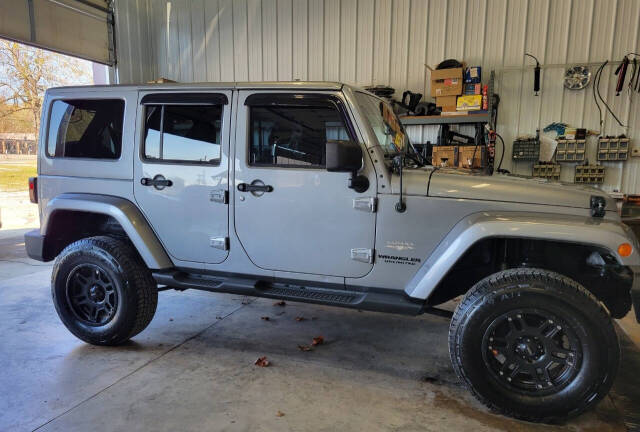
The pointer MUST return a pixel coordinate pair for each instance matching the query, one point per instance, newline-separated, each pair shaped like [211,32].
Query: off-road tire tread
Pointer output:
[523,275]
[138,278]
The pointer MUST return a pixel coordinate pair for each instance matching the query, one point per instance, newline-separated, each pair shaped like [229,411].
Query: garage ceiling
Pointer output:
[81,28]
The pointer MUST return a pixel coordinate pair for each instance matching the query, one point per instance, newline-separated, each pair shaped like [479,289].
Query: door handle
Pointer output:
[244,187]
[159,182]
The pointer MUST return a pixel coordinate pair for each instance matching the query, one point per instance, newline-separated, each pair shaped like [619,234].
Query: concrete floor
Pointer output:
[193,368]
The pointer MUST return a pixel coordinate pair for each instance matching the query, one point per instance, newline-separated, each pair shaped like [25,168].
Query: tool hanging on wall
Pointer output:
[598,96]
[621,71]
[634,82]
[536,74]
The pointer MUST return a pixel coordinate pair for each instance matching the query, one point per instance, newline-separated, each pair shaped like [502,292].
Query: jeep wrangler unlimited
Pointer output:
[306,192]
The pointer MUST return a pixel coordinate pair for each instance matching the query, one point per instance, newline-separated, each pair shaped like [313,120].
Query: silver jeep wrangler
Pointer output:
[311,192]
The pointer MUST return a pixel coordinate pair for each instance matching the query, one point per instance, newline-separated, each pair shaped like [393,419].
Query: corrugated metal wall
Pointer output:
[388,42]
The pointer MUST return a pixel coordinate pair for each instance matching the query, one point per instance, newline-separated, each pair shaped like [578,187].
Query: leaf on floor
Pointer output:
[279,414]
[318,340]
[262,362]
[305,348]
[299,318]
[280,303]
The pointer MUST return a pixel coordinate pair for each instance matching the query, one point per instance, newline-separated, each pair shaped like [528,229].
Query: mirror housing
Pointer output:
[346,156]
[343,156]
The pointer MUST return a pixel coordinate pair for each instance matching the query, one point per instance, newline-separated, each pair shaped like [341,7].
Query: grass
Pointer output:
[15,177]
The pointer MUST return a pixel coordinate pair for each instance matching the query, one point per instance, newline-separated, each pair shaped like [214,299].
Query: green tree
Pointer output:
[25,74]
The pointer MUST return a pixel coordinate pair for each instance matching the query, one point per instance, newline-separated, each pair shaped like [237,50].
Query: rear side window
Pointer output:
[294,135]
[82,128]
[183,133]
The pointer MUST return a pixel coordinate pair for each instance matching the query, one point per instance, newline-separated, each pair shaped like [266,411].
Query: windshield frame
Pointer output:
[384,139]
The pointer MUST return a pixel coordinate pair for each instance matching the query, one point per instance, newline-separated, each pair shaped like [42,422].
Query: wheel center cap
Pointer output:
[96,293]
[528,348]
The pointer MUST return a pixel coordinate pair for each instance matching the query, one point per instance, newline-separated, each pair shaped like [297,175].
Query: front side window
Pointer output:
[86,128]
[183,133]
[293,135]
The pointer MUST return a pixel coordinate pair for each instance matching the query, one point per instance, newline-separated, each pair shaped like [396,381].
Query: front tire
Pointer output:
[103,292]
[534,345]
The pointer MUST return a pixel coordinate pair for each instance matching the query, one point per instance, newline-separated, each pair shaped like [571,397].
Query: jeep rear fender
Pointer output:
[124,211]
[600,233]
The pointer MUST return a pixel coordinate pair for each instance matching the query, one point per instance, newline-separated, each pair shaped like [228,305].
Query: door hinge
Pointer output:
[362,255]
[221,243]
[219,196]
[368,204]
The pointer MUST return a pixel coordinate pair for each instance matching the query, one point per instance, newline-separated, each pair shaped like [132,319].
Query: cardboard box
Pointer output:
[446,82]
[444,156]
[469,103]
[466,154]
[447,103]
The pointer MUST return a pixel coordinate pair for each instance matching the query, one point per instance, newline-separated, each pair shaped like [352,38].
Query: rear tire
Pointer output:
[534,345]
[103,292]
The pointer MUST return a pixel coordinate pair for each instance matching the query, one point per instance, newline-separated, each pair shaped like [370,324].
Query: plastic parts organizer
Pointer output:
[613,149]
[589,174]
[548,171]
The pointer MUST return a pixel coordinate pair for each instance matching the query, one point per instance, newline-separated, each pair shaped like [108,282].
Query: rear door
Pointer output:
[181,175]
[305,219]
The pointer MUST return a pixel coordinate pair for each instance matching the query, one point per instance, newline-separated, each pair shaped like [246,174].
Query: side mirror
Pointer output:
[346,156]
[343,156]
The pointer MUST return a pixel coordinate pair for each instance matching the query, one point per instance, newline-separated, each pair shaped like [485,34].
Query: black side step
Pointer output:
[393,301]
[311,294]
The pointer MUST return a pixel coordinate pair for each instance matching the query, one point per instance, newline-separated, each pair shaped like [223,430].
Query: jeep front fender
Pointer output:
[123,211]
[478,226]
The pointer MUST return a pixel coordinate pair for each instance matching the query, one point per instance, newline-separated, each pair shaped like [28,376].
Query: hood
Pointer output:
[452,183]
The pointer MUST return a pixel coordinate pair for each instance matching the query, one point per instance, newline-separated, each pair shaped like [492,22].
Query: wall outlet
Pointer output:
[635,152]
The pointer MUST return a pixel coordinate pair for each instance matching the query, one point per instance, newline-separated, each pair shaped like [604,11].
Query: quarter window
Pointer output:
[86,128]
[293,135]
[183,133]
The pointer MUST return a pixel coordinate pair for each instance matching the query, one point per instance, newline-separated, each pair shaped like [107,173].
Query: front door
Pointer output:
[182,172]
[291,214]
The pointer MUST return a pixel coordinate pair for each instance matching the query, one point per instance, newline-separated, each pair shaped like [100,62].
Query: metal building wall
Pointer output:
[388,42]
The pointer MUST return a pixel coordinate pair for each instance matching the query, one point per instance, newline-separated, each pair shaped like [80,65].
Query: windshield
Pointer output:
[385,124]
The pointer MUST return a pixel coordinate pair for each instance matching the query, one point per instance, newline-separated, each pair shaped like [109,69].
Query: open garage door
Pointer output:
[81,28]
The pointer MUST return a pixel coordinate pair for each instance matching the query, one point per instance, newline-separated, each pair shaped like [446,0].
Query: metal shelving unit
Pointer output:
[437,120]
[484,117]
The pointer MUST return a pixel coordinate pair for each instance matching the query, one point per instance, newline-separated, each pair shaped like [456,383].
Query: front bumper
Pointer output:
[35,244]
[635,291]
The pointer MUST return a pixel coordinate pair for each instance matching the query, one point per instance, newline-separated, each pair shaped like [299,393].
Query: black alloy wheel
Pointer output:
[91,294]
[532,351]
